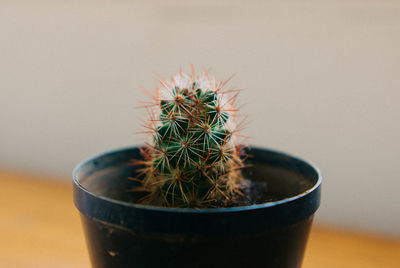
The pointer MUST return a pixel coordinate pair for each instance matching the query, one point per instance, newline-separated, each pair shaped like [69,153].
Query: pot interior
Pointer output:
[274,176]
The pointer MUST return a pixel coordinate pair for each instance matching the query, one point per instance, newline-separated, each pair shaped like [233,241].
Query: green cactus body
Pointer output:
[192,159]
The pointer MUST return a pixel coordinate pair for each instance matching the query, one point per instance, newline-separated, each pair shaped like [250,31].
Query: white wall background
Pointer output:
[322,81]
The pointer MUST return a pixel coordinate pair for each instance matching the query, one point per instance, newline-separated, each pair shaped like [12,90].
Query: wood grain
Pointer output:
[40,227]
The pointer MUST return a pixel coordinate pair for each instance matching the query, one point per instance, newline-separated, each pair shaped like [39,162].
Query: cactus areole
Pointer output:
[192,158]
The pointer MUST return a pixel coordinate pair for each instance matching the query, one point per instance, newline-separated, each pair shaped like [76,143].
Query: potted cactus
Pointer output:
[193,195]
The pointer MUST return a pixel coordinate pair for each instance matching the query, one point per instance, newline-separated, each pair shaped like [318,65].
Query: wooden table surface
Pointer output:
[40,227]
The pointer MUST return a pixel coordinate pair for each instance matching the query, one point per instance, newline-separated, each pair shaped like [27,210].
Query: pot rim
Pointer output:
[197,210]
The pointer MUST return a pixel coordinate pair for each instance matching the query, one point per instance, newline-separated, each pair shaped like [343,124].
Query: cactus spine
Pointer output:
[193,159]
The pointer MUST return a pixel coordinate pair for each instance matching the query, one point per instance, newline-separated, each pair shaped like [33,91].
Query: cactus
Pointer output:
[193,158]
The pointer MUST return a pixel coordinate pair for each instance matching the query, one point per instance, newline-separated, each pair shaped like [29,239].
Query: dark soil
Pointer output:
[254,192]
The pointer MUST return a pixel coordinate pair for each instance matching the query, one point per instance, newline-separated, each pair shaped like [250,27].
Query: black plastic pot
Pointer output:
[120,233]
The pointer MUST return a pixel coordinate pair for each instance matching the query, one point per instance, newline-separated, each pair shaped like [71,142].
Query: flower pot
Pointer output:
[120,233]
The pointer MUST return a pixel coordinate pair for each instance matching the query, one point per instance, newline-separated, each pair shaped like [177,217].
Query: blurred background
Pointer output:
[321,81]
